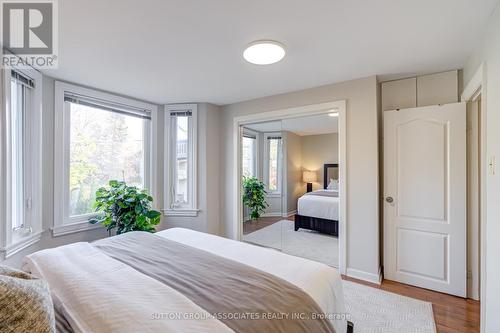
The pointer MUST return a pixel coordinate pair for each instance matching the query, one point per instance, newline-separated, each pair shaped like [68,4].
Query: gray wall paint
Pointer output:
[362,161]
[215,162]
[293,185]
[309,152]
[318,150]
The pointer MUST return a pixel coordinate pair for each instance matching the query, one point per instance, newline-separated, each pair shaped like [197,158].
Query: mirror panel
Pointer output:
[262,171]
[292,166]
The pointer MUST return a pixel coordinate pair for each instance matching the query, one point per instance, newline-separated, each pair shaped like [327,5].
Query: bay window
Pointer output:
[180,162]
[104,137]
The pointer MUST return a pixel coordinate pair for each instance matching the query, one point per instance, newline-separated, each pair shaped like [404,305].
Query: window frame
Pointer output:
[63,222]
[13,241]
[256,151]
[169,166]
[267,165]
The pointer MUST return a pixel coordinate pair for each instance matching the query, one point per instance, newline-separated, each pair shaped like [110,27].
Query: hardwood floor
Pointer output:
[251,226]
[452,314]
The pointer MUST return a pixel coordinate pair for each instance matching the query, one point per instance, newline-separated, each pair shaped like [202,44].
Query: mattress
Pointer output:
[319,205]
[89,267]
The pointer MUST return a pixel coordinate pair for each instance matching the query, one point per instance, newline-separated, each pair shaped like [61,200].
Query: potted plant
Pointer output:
[254,196]
[125,208]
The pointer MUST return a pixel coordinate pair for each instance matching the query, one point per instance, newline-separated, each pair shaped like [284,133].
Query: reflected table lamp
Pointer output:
[309,177]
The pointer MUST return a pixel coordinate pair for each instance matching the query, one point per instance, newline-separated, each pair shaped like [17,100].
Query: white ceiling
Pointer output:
[168,51]
[312,125]
[270,126]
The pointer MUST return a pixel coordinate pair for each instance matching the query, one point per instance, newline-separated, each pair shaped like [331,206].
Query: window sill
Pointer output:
[20,244]
[181,212]
[67,229]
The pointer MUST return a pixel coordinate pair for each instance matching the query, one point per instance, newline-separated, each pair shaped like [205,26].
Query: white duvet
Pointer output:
[323,207]
[100,294]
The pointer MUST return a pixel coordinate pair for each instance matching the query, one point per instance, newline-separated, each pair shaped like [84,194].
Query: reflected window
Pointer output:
[249,155]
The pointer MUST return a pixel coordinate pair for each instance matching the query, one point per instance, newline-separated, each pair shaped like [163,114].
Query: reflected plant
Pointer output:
[125,208]
[254,196]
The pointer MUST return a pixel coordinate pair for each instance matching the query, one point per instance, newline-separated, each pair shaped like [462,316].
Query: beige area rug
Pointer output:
[373,310]
[302,243]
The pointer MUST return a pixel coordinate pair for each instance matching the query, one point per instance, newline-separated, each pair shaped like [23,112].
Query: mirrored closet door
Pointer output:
[290,182]
[310,188]
[262,183]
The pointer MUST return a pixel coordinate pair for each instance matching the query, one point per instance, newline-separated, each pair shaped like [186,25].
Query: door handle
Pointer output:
[389,199]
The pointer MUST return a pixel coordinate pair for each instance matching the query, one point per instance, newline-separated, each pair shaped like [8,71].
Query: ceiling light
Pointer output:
[333,114]
[264,52]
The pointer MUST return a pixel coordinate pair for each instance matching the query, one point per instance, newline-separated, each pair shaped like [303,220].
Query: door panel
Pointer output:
[425,192]
[414,249]
[419,162]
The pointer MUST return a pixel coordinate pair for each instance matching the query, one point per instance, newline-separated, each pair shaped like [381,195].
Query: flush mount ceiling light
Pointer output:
[264,52]
[333,114]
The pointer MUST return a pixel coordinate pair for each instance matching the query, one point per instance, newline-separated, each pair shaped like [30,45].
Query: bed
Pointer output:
[180,280]
[319,210]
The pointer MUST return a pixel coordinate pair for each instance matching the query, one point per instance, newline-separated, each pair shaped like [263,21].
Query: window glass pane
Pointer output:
[182,161]
[248,155]
[17,167]
[273,164]
[104,145]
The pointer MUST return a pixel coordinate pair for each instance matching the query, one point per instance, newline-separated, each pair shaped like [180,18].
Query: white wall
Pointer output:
[362,162]
[489,53]
[318,150]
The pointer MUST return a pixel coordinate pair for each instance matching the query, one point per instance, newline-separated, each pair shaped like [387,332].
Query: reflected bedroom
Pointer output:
[290,186]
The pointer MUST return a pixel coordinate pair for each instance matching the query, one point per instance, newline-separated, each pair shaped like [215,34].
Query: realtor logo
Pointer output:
[29,33]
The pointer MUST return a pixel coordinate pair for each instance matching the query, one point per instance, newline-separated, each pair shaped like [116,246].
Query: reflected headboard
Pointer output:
[331,171]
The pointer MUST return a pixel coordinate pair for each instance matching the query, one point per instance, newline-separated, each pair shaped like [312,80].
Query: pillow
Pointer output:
[333,185]
[25,303]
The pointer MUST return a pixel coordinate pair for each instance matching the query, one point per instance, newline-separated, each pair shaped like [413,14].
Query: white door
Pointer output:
[425,197]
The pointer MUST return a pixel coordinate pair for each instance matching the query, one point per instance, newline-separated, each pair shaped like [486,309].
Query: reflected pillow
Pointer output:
[333,185]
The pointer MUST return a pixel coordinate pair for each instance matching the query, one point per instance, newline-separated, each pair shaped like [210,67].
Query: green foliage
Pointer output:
[103,146]
[254,196]
[125,207]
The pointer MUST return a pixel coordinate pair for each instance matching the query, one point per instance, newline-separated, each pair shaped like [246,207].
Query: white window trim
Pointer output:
[168,170]
[63,224]
[265,172]
[256,150]
[12,242]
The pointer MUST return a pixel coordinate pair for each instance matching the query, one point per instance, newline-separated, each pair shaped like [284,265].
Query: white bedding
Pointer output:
[100,294]
[90,285]
[324,207]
